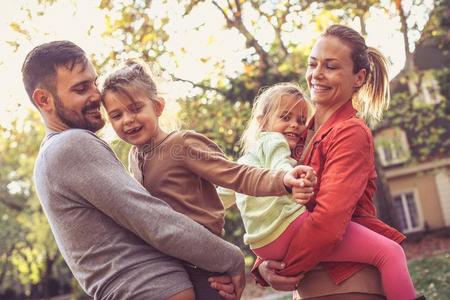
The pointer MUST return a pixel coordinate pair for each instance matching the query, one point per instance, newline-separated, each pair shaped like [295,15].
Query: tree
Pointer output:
[29,253]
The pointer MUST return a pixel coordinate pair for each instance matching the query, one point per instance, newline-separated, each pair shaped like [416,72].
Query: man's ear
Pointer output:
[42,99]
[159,106]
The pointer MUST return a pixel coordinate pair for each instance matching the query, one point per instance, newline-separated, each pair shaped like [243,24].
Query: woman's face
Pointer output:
[329,75]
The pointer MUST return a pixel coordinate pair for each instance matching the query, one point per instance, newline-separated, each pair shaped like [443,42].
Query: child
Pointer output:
[278,120]
[180,167]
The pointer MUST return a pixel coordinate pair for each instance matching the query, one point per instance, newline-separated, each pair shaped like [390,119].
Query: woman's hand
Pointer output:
[268,269]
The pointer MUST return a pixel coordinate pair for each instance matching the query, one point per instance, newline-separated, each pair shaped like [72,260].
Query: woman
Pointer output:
[343,74]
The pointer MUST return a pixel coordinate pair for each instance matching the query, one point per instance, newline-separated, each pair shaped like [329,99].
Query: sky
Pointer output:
[68,19]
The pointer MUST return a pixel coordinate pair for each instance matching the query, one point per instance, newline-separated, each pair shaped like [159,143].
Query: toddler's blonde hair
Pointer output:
[265,106]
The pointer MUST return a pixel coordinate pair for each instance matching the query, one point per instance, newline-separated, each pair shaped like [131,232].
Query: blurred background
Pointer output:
[212,57]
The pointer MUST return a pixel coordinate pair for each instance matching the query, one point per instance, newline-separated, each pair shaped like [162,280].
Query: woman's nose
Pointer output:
[317,72]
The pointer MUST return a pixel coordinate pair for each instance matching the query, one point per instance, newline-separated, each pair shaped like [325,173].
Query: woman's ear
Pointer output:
[360,79]
[159,106]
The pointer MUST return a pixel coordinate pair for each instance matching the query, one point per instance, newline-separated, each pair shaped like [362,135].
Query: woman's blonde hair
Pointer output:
[373,96]
[265,106]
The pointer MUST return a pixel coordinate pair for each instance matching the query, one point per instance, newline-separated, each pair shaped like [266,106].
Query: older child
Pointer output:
[275,129]
[181,167]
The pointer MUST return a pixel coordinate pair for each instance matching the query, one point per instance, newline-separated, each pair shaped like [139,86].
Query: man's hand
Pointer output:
[293,177]
[228,287]
[268,272]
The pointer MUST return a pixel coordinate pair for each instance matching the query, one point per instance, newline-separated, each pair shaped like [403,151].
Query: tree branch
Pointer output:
[202,86]
[236,22]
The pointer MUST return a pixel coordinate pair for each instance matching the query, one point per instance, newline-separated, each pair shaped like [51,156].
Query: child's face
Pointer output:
[134,120]
[289,119]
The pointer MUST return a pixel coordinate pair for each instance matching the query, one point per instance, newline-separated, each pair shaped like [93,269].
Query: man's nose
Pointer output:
[95,95]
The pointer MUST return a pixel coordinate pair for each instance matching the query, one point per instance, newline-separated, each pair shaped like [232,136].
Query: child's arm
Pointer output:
[204,158]
[275,154]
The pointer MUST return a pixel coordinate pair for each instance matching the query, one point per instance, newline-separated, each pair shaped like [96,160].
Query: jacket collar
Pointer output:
[345,112]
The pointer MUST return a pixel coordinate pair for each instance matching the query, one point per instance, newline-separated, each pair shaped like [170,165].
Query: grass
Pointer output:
[431,276]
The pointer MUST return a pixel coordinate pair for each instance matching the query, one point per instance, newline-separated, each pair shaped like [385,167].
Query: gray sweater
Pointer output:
[111,232]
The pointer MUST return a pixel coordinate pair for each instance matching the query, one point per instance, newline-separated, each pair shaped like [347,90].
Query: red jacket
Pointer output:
[342,154]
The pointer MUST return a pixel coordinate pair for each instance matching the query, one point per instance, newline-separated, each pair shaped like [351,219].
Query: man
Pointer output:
[119,241]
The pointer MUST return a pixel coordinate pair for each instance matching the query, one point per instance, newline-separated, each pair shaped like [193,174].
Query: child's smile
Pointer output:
[289,119]
[135,120]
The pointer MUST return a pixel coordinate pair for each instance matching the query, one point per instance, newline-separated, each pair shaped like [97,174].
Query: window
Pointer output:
[430,89]
[405,206]
[392,146]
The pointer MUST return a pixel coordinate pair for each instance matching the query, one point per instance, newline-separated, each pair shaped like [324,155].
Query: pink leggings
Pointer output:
[359,244]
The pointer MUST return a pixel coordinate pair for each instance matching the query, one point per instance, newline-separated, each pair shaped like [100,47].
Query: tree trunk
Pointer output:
[46,293]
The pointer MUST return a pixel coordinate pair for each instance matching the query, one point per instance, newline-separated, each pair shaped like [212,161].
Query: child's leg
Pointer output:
[361,244]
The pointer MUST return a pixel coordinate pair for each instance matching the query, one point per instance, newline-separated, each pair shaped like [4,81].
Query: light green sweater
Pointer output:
[266,218]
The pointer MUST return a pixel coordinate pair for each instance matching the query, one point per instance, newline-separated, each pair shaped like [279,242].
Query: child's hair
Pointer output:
[265,106]
[373,97]
[133,75]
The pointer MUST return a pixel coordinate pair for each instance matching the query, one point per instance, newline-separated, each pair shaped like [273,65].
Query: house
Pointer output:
[413,140]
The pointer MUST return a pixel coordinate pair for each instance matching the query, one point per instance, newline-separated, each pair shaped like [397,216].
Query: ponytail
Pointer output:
[373,97]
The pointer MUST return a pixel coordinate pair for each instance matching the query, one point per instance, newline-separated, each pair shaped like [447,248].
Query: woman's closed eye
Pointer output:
[332,67]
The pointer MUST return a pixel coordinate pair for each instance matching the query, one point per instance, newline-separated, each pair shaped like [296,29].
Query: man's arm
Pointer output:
[88,169]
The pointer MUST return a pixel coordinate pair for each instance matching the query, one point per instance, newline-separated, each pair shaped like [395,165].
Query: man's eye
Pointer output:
[80,89]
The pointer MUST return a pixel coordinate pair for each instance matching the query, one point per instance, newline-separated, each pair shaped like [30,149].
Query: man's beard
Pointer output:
[78,120]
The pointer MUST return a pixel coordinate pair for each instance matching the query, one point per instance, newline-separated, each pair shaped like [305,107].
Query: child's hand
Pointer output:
[293,178]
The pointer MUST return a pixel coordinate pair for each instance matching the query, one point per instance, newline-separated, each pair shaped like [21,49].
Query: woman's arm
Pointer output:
[346,171]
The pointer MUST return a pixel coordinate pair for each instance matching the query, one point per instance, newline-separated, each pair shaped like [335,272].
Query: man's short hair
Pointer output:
[39,67]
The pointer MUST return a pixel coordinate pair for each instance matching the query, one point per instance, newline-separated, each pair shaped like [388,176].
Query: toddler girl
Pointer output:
[275,130]
[180,167]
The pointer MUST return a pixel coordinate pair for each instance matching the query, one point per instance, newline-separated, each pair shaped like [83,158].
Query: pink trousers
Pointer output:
[359,244]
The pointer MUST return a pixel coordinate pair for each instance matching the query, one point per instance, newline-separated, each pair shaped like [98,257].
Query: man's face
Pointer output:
[77,99]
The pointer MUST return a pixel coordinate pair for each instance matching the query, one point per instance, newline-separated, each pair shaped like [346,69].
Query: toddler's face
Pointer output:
[135,120]
[289,119]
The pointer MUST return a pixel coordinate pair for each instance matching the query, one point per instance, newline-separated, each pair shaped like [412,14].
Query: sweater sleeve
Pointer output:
[204,158]
[275,153]
[86,168]
[343,181]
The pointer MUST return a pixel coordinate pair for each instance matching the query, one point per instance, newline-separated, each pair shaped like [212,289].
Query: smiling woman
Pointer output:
[341,224]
